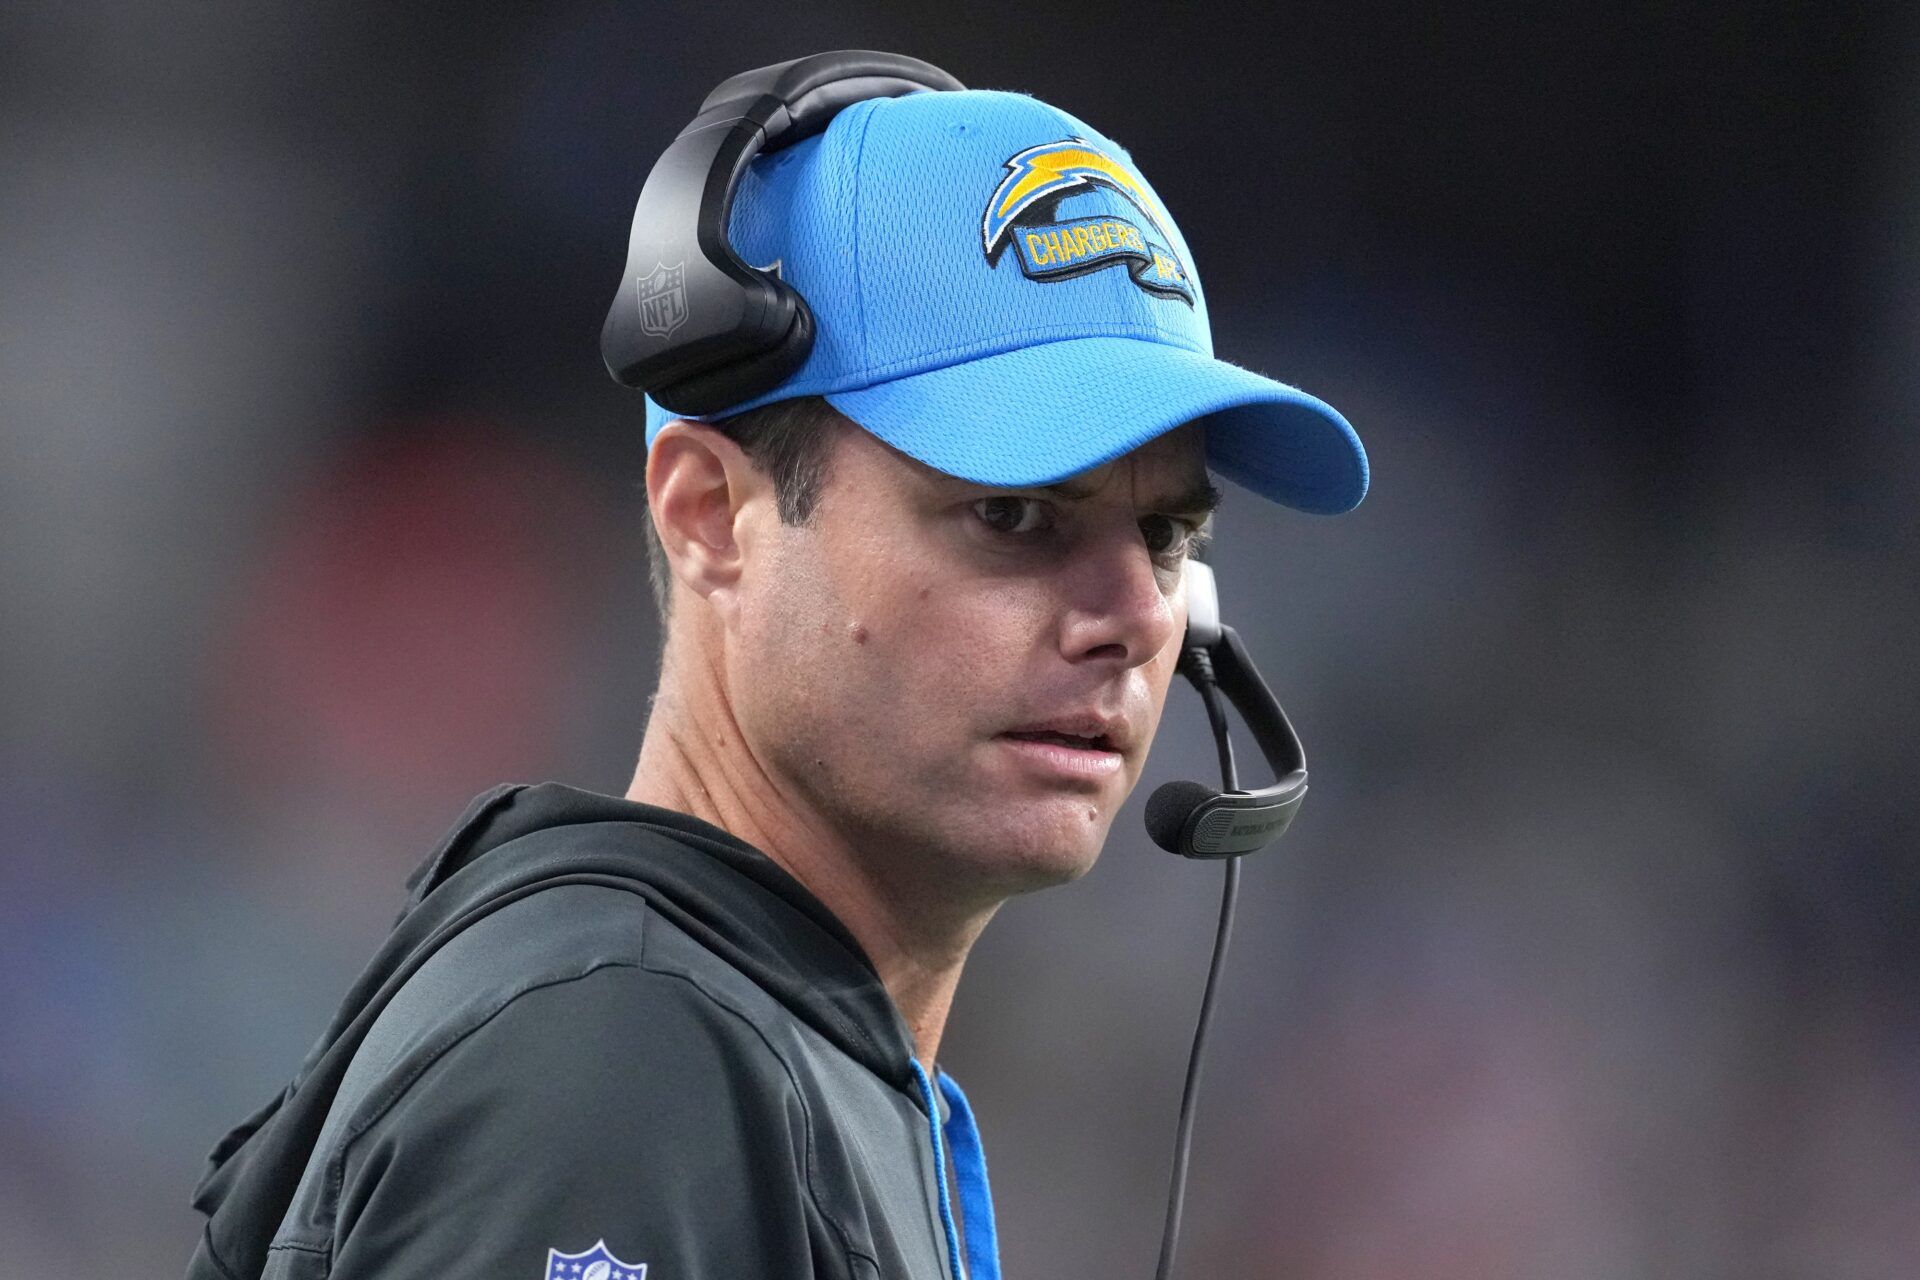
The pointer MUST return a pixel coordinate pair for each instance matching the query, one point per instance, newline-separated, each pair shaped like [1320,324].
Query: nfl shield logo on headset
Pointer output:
[597,1263]
[663,299]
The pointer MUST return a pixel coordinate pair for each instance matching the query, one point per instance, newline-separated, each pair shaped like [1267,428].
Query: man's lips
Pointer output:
[1063,757]
[1070,741]
[1078,731]
[1083,747]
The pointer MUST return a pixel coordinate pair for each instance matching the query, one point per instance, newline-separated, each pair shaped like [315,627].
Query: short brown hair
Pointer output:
[789,441]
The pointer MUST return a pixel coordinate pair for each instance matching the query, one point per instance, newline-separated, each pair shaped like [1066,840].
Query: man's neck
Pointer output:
[697,763]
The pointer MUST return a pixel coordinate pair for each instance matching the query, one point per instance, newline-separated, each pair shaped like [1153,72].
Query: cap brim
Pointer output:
[1039,414]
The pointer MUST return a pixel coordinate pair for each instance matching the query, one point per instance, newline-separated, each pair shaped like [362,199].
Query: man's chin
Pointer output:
[1056,845]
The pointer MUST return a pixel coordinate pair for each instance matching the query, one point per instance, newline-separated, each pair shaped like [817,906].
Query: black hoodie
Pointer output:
[604,1041]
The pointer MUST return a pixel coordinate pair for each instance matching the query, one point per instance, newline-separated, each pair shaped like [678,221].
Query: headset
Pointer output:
[745,330]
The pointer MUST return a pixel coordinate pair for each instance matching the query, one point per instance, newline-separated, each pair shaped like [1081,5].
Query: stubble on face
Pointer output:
[884,646]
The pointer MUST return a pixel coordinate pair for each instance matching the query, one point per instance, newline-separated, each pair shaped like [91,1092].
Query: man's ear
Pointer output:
[698,483]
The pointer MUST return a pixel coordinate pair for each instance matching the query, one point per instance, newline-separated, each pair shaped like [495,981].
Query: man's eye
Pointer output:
[1170,538]
[1013,515]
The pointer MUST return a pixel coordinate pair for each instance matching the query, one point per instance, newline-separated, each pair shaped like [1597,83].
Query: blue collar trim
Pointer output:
[970,1171]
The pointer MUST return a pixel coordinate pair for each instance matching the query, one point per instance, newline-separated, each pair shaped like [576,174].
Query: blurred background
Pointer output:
[1596,954]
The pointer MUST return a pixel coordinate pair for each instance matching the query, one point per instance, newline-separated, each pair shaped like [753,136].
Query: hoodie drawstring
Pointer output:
[970,1170]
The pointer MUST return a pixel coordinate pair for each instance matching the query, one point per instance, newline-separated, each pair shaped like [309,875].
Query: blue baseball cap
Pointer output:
[998,293]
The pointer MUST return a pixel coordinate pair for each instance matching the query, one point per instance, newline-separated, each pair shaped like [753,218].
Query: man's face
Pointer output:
[885,652]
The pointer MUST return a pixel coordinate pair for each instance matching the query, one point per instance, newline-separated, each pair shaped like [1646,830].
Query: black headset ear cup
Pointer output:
[748,377]
[714,331]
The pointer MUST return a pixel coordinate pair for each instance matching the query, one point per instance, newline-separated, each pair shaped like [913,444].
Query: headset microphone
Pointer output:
[1198,821]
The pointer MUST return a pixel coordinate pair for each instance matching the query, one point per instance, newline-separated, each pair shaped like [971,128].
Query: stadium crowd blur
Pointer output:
[1595,953]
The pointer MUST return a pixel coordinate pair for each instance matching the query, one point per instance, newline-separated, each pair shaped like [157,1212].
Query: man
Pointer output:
[922,603]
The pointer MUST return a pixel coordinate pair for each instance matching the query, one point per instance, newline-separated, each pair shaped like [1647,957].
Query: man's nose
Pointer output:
[1121,607]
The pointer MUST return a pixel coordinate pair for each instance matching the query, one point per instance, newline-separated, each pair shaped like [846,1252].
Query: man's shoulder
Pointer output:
[580,964]
[537,1037]
[592,1032]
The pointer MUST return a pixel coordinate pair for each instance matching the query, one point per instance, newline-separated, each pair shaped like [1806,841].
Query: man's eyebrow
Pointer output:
[1201,498]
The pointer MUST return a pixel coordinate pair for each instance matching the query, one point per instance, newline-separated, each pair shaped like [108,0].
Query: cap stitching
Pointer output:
[859,271]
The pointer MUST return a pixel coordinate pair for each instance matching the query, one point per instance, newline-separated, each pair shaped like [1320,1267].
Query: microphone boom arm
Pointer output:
[1198,821]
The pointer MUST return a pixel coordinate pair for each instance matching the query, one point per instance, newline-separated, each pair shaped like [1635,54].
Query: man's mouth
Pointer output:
[1097,743]
[1084,746]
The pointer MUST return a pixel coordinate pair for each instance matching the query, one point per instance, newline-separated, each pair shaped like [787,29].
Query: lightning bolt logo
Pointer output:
[1053,167]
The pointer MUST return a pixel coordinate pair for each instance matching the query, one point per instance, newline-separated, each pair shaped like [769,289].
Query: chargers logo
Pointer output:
[1038,178]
